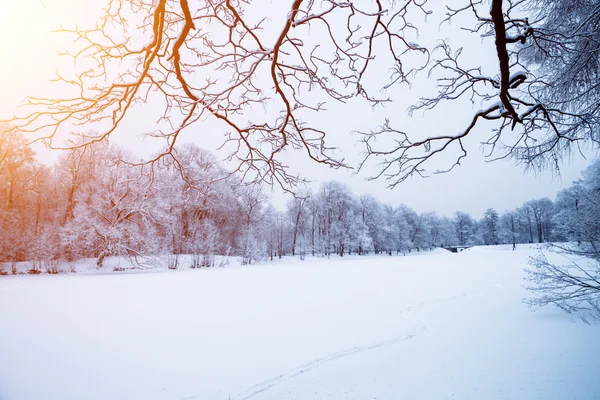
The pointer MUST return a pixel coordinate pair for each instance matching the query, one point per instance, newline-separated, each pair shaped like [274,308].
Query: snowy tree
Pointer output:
[508,228]
[490,227]
[545,89]
[540,212]
[401,229]
[574,284]
[17,167]
[373,216]
[270,220]
[252,202]
[228,78]
[203,205]
[435,229]
[92,204]
[577,215]
[341,225]
[448,232]
[75,170]
[418,235]
[44,249]
[297,210]
[542,103]
[15,157]
[563,54]
[113,214]
[314,224]
[465,228]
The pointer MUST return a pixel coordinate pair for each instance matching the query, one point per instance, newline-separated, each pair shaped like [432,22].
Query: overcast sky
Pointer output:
[30,58]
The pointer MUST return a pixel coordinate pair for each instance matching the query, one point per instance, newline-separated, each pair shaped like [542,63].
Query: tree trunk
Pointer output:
[312,233]
[530,228]
[512,226]
[100,262]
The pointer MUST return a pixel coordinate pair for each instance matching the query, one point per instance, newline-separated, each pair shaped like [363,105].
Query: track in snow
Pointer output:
[270,383]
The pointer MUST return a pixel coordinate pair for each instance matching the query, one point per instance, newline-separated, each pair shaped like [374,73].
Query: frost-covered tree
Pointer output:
[418,227]
[252,244]
[490,227]
[563,58]
[435,224]
[573,283]
[204,210]
[92,204]
[17,208]
[113,213]
[401,229]
[508,231]
[465,227]
[222,60]
[372,216]
[448,232]
[341,225]
[313,224]
[386,226]
[577,215]
[541,100]
[297,212]
[540,214]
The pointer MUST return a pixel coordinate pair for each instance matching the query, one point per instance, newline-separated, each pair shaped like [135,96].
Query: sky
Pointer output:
[30,50]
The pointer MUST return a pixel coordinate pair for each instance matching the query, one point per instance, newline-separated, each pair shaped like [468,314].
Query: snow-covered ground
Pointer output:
[427,326]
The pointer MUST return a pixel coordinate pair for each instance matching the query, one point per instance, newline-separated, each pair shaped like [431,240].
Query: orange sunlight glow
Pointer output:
[25,44]
[29,48]
[29,51]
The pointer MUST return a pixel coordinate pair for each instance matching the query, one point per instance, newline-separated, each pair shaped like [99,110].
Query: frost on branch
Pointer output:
[573,287]
[209,61]
[543,99]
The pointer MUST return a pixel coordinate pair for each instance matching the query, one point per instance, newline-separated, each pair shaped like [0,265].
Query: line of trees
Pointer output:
[573,283]
[90,204]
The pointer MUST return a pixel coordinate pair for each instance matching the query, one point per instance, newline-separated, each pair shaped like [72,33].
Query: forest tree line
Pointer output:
[91,204]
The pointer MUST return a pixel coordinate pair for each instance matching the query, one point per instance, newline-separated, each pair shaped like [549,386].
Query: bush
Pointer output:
[573,287]
[34,271]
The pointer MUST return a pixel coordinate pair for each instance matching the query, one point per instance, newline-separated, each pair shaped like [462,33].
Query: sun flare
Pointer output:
[25,30]
[30,45]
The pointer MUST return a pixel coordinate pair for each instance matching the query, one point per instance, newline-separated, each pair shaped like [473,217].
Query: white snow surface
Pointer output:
[426,326]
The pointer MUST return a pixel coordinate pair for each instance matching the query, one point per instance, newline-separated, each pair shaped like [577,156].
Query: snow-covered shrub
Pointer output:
[572,285]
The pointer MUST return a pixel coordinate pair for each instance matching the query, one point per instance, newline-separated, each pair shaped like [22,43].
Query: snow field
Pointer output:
[426,326]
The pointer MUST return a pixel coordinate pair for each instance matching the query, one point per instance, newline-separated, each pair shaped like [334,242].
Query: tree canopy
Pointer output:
[264,80]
